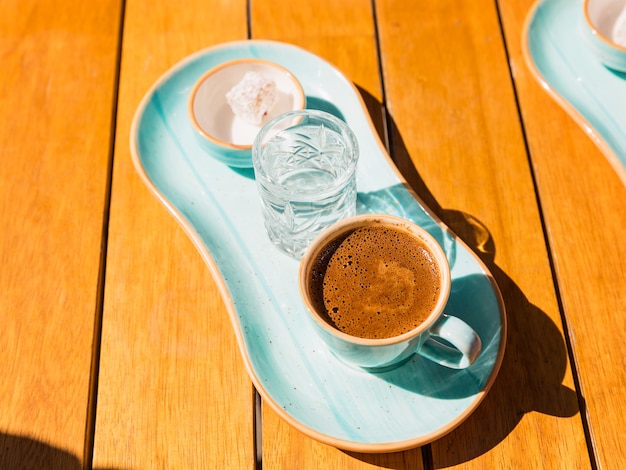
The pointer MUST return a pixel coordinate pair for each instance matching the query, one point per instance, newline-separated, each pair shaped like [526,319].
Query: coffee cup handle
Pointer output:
[451,343]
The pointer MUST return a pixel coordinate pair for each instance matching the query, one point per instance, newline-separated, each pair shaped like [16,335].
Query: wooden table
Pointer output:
[116,351]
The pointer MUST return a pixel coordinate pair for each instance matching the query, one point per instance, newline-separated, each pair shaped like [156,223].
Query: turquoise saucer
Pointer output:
[289,365]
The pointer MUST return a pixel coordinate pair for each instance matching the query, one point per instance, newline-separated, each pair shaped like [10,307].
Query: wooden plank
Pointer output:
[344,34]
[583,205]
[56,103]
[457,137]
[173,391]
[340,32]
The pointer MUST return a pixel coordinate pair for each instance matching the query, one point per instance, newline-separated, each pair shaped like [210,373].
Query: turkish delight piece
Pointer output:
[252,98]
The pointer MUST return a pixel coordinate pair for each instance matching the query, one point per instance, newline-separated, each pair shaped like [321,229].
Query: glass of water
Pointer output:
[305,169]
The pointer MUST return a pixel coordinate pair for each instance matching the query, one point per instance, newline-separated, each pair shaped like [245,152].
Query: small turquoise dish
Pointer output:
[292,369]
[604,29]
[219,131]
[593,94]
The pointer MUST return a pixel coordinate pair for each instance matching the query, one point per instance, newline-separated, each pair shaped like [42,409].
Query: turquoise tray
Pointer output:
[594,95]
[292,370]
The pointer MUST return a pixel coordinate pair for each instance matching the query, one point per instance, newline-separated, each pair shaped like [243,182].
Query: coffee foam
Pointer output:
[378,282]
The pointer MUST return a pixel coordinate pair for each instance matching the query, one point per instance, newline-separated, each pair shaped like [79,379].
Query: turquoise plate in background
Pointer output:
[594,95]
[290,367]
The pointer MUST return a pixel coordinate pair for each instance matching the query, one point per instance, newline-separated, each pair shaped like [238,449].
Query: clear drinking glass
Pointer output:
[305,169]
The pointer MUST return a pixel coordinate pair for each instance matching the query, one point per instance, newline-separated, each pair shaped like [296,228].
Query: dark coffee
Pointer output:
[375,282]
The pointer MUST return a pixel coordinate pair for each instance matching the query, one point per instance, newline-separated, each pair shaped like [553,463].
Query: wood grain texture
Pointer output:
[583,203]
[173,392]
[57,84]
[457,138]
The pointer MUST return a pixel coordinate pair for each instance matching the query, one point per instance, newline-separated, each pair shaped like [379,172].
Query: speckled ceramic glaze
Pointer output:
[557,53]
[290,366]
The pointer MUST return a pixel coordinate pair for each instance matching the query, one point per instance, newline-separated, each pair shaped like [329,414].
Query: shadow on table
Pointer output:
[24,453]
[535,361]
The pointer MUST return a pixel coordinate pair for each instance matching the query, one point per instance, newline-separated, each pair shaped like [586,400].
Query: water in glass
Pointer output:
[306,179]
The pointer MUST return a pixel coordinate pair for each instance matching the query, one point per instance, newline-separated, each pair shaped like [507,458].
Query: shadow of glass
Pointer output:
[535,361]
[398,200]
